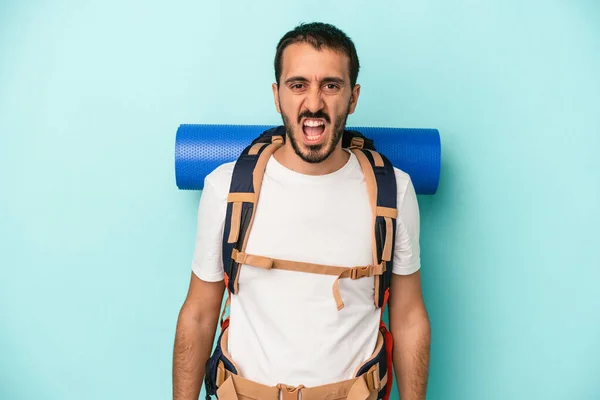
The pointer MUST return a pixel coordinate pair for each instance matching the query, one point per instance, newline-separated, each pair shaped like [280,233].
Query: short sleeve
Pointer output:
[407,257]
[207,262]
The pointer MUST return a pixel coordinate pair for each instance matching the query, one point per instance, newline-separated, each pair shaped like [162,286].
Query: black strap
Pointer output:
[387,194]
[241,182]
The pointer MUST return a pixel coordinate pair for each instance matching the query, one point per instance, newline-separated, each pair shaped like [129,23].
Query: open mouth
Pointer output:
[313,129]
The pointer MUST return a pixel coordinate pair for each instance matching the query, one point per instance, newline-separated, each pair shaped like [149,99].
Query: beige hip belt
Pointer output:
[367,385]
[237,388]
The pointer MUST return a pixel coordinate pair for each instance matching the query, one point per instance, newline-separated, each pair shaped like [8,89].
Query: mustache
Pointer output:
[319,114]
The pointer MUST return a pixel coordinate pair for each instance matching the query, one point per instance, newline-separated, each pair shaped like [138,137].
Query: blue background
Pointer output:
[96,240]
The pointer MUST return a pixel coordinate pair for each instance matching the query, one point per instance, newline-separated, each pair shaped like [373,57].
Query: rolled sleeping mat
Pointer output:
[200,148]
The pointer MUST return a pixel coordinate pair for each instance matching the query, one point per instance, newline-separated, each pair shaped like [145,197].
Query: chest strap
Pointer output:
[341,272]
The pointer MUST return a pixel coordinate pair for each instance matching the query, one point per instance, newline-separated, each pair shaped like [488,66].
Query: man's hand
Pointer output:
[195,334]
[410,328]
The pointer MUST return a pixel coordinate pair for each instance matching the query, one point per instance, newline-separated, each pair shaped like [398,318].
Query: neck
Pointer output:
[287,157]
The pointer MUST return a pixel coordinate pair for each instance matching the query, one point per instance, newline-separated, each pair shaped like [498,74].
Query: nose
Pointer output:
[314,100]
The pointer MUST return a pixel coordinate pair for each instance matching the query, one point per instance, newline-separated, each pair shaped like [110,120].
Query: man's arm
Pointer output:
[410,328]
[194,337]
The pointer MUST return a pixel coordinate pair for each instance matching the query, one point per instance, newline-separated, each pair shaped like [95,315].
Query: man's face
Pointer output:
[314,98]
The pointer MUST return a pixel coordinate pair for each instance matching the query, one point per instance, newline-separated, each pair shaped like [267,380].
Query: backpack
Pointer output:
[242,198]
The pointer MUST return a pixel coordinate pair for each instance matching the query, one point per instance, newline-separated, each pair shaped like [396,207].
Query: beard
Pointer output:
[317,153]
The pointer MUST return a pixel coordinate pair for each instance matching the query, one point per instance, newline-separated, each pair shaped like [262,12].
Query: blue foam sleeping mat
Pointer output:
[200,148]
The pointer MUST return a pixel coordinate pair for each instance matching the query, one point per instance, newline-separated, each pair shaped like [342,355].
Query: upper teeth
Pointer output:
[310,122]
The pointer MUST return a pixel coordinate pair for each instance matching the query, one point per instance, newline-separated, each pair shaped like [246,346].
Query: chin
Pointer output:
[320,148]
[313,153]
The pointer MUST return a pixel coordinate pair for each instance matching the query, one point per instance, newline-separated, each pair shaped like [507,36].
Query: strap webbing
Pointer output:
[236,220]
[387,247]
[371,190]
[341,272]
[257,178]
[371,184]
[381,187]
[243,196]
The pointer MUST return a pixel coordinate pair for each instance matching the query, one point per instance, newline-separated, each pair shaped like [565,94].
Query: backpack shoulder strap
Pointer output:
[267,136]
[245,189]
[354,139]
[243,196]
[381,185]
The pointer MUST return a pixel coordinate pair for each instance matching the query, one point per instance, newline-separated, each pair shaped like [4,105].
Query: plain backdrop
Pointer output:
[96,240]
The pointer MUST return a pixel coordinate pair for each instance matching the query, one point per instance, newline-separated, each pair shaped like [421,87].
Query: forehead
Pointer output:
[302,59]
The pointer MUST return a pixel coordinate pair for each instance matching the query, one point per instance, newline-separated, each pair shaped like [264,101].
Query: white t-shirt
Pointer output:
[284,325]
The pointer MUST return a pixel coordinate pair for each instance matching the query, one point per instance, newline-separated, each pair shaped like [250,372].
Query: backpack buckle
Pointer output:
[289,392]
[373,381]
[361,272]
[357,143]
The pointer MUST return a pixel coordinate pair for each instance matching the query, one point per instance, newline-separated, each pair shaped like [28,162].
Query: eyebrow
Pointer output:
[327,79]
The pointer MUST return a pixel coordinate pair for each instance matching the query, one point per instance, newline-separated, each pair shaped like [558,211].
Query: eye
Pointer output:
[297,86]
[331,87]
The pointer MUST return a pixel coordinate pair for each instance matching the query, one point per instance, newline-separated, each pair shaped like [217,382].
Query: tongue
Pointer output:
[313,130]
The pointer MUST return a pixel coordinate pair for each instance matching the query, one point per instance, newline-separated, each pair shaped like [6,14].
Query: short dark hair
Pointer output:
[319,35]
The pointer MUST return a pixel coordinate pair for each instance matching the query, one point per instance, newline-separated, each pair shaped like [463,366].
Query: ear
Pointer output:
[354,98]
[276,97]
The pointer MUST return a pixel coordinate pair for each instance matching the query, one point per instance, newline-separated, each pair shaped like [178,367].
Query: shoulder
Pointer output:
[218,181]
[407,202]
[404,185]
[407,257]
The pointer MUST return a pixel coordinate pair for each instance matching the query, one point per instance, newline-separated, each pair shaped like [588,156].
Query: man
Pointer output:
[313,208]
